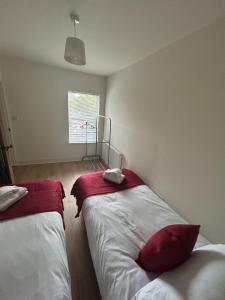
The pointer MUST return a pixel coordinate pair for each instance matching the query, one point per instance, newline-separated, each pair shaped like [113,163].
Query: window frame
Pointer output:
[98,112]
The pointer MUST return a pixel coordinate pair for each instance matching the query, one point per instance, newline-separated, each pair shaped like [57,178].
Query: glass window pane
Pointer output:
[82,112]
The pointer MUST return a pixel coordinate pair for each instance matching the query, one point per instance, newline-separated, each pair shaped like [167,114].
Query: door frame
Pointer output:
[6,127]
[6,170]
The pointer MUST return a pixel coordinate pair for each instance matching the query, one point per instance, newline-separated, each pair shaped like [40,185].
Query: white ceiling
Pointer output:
[116,33]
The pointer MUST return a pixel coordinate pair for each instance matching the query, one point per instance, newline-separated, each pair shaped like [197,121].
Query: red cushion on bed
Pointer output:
[168,247]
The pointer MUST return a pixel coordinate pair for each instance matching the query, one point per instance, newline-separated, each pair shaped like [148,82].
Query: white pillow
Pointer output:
[202,277]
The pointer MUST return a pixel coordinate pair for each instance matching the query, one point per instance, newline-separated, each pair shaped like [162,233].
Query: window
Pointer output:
[82,110]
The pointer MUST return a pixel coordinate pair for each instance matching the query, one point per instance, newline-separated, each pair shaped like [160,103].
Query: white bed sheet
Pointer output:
[118,225]
[33,261]
[199,278]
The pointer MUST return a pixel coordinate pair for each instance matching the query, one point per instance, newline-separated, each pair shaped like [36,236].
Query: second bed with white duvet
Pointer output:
[118,225]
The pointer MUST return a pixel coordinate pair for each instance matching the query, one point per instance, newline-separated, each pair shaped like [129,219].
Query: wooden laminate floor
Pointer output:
[83,281]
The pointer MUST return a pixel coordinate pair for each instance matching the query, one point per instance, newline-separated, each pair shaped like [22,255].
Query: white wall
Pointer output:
[168,114]
[37,100]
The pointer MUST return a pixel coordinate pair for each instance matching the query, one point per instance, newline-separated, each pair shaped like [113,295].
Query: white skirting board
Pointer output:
[46,161]
[116,158]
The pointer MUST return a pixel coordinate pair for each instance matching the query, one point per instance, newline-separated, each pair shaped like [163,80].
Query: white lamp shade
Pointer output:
[75,51]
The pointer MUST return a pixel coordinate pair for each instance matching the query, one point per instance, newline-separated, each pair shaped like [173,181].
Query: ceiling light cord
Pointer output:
[74,24]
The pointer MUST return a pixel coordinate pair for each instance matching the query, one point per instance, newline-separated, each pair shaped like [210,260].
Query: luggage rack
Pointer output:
[96,155]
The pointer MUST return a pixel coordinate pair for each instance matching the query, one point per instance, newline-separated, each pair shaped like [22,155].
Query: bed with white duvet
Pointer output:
[202,277]
[118,225]
[33,261]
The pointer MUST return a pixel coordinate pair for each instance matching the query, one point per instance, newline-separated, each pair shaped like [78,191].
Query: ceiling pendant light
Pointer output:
[75,49]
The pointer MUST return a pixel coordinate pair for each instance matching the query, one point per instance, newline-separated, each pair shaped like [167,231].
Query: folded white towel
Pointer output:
[113,171]
[9,189]
[11,194]
[114,175]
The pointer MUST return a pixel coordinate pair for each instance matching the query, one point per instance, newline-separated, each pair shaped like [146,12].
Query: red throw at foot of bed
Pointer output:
[93,184]
[43,196]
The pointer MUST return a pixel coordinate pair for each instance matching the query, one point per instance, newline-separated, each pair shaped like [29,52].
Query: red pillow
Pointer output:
[168,247]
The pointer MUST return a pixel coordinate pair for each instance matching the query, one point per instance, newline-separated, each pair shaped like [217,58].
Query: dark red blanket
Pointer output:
[94,184]
[43,196]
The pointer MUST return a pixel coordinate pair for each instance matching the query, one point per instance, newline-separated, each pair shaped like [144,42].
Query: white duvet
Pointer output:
[202,277]
[33,261]
[118,225]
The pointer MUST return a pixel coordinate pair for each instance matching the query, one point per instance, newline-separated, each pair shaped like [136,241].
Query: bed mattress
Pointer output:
[118,225]
[33,261]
